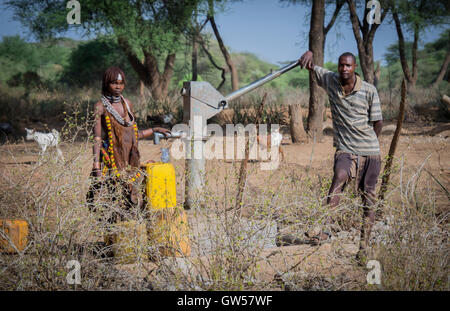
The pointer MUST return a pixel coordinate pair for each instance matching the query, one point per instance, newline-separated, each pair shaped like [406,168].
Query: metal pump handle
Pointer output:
[260,82]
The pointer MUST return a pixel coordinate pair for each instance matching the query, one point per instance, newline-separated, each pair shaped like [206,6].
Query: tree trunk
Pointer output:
[377,74]
[226,55]
[401,47]
[443,70]
[414,57]
[314,123]
[298,133]
[317,35]
[148,70]
[142,91]
[369,70]
[159,83]
[194,58]
[364,43]
[167,76]
[446,100]
[196,37]
[411,78]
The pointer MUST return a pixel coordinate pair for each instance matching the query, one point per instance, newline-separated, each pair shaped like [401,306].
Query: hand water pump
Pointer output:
[202,101]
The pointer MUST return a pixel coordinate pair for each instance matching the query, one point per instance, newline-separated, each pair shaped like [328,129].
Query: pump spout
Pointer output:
[260,82]
[158,136]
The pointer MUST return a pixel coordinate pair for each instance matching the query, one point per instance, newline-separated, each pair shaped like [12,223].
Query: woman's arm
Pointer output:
[148,132]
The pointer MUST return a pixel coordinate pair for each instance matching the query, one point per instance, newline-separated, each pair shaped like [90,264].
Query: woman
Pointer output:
[116,135]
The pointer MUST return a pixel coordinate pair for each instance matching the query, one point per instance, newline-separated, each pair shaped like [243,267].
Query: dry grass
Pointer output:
[230,249]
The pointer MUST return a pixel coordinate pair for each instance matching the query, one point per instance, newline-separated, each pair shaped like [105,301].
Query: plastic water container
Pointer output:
[170,232]
[129,242]
[161,189]
[169,229]
[17,232]
[165,157]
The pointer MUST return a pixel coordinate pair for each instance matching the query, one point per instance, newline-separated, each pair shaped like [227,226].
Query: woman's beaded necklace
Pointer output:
[111,150]
[113,99]
[106,103]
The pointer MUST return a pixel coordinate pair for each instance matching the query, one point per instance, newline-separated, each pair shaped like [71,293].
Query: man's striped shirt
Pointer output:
[352,114]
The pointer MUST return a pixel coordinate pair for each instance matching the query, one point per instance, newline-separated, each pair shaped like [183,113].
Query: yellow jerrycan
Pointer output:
[16,232]
[129,242]
[169,227]
[161,188]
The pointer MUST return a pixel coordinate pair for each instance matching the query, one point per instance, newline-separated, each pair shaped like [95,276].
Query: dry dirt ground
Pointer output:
[419,145]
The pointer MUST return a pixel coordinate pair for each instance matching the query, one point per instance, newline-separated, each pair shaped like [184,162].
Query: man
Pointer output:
[357,123]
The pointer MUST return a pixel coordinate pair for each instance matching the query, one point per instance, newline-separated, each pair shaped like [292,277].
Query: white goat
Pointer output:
[272,141]
[45,140]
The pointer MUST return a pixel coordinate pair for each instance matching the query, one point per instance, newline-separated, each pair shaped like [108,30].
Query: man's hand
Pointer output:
[306,61]
[377,126]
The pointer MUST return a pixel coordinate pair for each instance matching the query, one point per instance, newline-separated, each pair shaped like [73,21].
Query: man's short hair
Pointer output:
[348,54]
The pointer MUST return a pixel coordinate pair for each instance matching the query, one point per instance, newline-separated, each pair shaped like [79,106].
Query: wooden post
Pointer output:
[446,99]
[298,133]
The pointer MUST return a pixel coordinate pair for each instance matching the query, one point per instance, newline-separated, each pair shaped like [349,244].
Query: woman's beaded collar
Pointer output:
[115,114]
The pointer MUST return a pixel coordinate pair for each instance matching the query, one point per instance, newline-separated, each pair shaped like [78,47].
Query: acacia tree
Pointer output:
[317,36]
[195,37]
[416,16]
[203,13]
[148,31]
[223,48]
[445,64]
[364,33]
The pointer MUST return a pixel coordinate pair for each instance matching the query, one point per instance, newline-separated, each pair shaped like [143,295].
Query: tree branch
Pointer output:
[356,26]
[211,59]
[167,74]
[414,52]
[401,47]
[226,55]
[443,69]
[375,26]
[133,59]
[151,65]
[339,5]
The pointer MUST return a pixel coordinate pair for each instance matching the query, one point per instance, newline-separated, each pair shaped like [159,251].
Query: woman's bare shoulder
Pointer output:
[98,107]
[130,104]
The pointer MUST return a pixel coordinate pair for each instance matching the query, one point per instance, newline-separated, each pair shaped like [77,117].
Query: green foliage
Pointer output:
[151,24]
[44,59]
[90,59]
[422,14]
[147,31]
[430,58]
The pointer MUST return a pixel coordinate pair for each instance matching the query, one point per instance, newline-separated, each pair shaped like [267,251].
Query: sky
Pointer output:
[273,31]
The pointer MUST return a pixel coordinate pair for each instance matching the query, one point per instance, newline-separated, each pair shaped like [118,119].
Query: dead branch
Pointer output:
[243,170]
[393,147]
